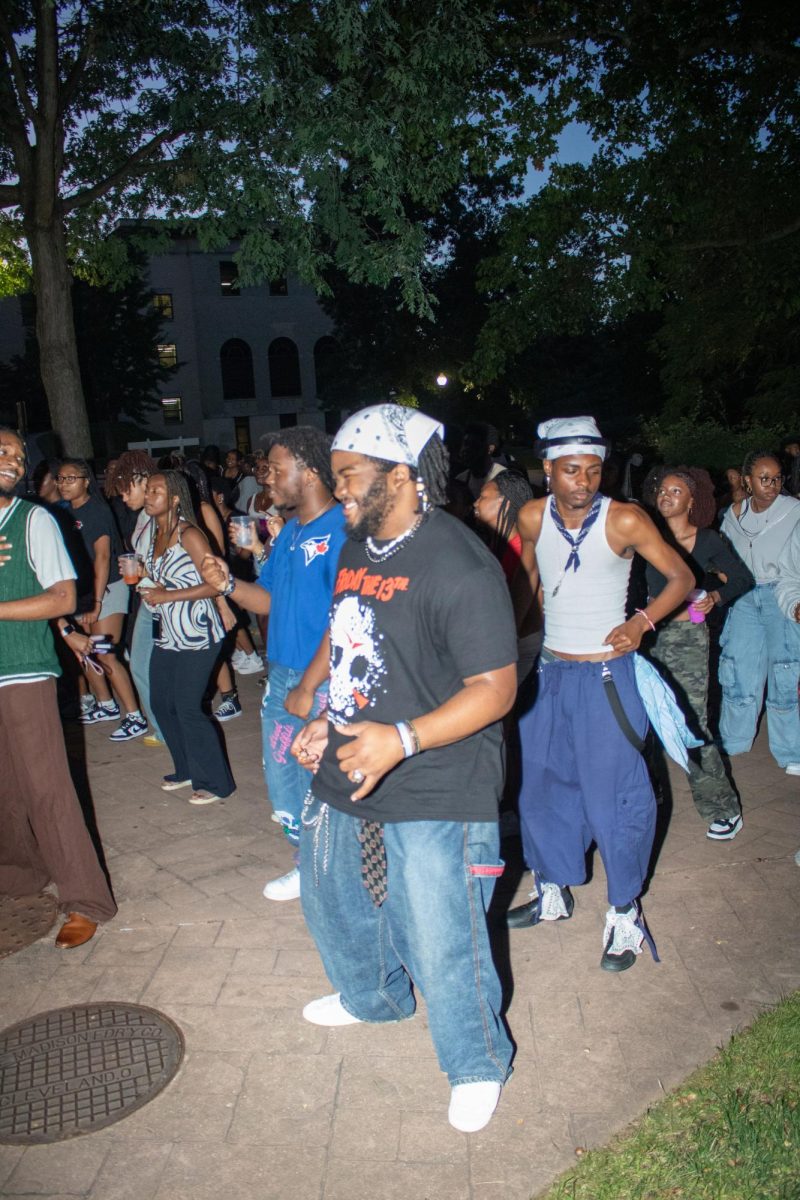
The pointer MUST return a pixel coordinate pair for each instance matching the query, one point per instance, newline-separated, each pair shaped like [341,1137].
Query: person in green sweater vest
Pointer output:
[45,839]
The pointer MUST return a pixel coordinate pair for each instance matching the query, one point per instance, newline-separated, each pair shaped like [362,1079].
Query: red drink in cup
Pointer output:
[129,566]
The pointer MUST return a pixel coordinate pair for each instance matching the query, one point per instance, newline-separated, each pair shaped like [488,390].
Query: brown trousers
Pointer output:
[43,836]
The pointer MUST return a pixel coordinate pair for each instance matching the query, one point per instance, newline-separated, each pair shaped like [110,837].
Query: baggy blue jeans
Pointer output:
[760,647]
[141,653]
[287,782]
[430,931]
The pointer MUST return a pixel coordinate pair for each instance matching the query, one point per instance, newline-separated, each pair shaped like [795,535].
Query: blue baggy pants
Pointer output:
[583,781]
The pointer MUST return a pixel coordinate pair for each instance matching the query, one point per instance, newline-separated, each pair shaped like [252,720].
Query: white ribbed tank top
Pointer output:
[588,602]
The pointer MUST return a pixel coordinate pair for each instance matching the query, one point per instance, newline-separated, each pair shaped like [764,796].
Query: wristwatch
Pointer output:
[67,630]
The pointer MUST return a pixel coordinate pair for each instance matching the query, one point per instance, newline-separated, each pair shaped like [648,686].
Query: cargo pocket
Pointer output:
[782,691]
[635,815]
[728,679]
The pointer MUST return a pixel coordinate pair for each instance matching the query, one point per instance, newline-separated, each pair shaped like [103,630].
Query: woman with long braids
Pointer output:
[102,612]
[760,645]
[497,509]
[684,497]
[187,635]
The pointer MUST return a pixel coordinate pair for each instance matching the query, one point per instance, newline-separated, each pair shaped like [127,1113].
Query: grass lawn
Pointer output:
[731,1132]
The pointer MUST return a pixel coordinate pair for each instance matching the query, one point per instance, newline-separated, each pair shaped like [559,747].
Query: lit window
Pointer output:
[279,287]
[162,303]
[229,279]
[168,355]
[172,410]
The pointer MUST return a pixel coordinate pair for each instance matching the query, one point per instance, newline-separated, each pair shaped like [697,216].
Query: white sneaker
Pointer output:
[793,768]
[329,1010]
[250,664]
[285,888]
[236,659]
[472,1105]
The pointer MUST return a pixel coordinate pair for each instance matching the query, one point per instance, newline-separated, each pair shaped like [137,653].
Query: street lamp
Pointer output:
[442,379]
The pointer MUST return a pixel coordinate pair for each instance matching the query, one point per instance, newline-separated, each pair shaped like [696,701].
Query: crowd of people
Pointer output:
[418,622]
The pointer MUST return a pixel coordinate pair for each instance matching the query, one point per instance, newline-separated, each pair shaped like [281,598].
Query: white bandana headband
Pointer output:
[388,431]
[570,435]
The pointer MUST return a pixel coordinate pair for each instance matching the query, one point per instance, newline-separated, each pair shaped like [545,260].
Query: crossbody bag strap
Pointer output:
[612,695]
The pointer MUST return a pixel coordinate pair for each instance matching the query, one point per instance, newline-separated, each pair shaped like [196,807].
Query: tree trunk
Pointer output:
[55,333]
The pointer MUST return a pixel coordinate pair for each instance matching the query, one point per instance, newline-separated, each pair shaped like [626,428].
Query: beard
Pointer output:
[374,507]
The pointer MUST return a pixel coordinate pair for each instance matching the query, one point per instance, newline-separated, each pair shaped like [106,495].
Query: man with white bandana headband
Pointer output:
[583,776]
[399,849]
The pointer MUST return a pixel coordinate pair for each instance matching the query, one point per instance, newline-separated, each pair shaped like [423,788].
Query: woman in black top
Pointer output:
[104,611]
[684,498]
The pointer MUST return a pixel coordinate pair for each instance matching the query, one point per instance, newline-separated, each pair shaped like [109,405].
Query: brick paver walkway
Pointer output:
[267,1107]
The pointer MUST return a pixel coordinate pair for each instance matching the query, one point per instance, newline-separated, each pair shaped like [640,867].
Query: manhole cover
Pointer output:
[73,1070]
[24,920]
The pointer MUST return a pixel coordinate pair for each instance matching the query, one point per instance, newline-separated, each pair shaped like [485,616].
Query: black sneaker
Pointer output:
[229,709]
[556,904]
[725,830]
[622,939]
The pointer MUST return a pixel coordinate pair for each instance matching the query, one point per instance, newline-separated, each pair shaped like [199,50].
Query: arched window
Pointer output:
[236,364]
[327,352]
[284,368]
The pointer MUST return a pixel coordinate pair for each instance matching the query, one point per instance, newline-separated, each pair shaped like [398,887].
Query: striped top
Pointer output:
[185,624]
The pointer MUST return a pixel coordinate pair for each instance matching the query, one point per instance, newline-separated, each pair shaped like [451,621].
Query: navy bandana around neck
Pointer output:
[575,542]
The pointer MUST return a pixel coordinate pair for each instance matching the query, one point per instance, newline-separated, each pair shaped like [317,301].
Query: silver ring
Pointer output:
[357,776]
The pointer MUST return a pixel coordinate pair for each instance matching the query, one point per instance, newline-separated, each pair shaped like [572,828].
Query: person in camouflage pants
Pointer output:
[684,498]
[680,649]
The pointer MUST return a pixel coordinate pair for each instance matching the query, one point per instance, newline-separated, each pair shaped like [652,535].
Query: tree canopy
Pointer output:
[690,207]
[310,132]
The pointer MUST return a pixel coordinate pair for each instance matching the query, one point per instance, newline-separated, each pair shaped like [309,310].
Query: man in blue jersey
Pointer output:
[294,588]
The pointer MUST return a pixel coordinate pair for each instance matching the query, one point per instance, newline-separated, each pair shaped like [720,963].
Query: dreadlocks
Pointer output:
[132,467]
[310,446]
[432,469]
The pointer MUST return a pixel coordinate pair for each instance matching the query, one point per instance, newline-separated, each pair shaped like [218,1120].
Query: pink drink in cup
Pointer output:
[695,616]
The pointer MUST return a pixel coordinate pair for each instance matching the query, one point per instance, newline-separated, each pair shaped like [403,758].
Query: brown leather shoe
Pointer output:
[75,931]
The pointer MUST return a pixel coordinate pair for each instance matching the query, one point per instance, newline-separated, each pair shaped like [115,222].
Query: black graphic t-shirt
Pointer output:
[404,635]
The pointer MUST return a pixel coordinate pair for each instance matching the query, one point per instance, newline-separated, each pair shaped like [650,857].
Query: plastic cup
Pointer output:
[129,566]
[242,529]
[695,616]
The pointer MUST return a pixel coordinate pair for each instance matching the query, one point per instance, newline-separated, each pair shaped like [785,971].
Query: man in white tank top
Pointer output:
[583,776]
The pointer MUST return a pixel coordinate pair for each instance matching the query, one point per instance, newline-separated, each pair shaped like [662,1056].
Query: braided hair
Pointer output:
[178,487]
[83,466]
[310,446]
[514,491]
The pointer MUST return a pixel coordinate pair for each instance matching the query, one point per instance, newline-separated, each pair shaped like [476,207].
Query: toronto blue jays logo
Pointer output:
[315,547]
